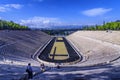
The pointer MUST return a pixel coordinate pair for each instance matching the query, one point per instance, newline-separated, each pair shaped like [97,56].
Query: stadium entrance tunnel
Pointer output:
[59,51]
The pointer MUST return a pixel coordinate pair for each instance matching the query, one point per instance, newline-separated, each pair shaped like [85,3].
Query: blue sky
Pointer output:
[45,13]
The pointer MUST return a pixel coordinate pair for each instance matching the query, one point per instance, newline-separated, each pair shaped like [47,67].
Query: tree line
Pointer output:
[10,25]
[106,26]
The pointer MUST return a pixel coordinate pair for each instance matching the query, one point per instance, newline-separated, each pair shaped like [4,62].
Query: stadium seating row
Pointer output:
[96,45]
[16,49]
[25,43]
[112,36]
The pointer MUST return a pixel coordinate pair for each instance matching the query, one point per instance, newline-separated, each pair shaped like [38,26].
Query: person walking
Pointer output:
[29,71]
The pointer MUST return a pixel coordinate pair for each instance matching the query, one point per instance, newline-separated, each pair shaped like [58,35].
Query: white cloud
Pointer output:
[3,9]
[16,6]
[7,7]
[96,11]
[40,22]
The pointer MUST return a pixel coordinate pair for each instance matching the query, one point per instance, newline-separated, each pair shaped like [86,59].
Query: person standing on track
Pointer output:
[29,71]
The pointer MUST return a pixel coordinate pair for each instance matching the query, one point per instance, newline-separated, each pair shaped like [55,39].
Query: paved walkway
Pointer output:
[101,72]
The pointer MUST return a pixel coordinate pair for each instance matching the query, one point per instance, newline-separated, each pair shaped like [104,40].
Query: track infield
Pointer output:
[59,51]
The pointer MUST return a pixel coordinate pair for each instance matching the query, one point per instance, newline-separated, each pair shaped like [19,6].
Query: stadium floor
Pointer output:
[64,53]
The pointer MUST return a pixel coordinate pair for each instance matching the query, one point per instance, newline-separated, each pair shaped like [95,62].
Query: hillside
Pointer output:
[106,26]
[10,25]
